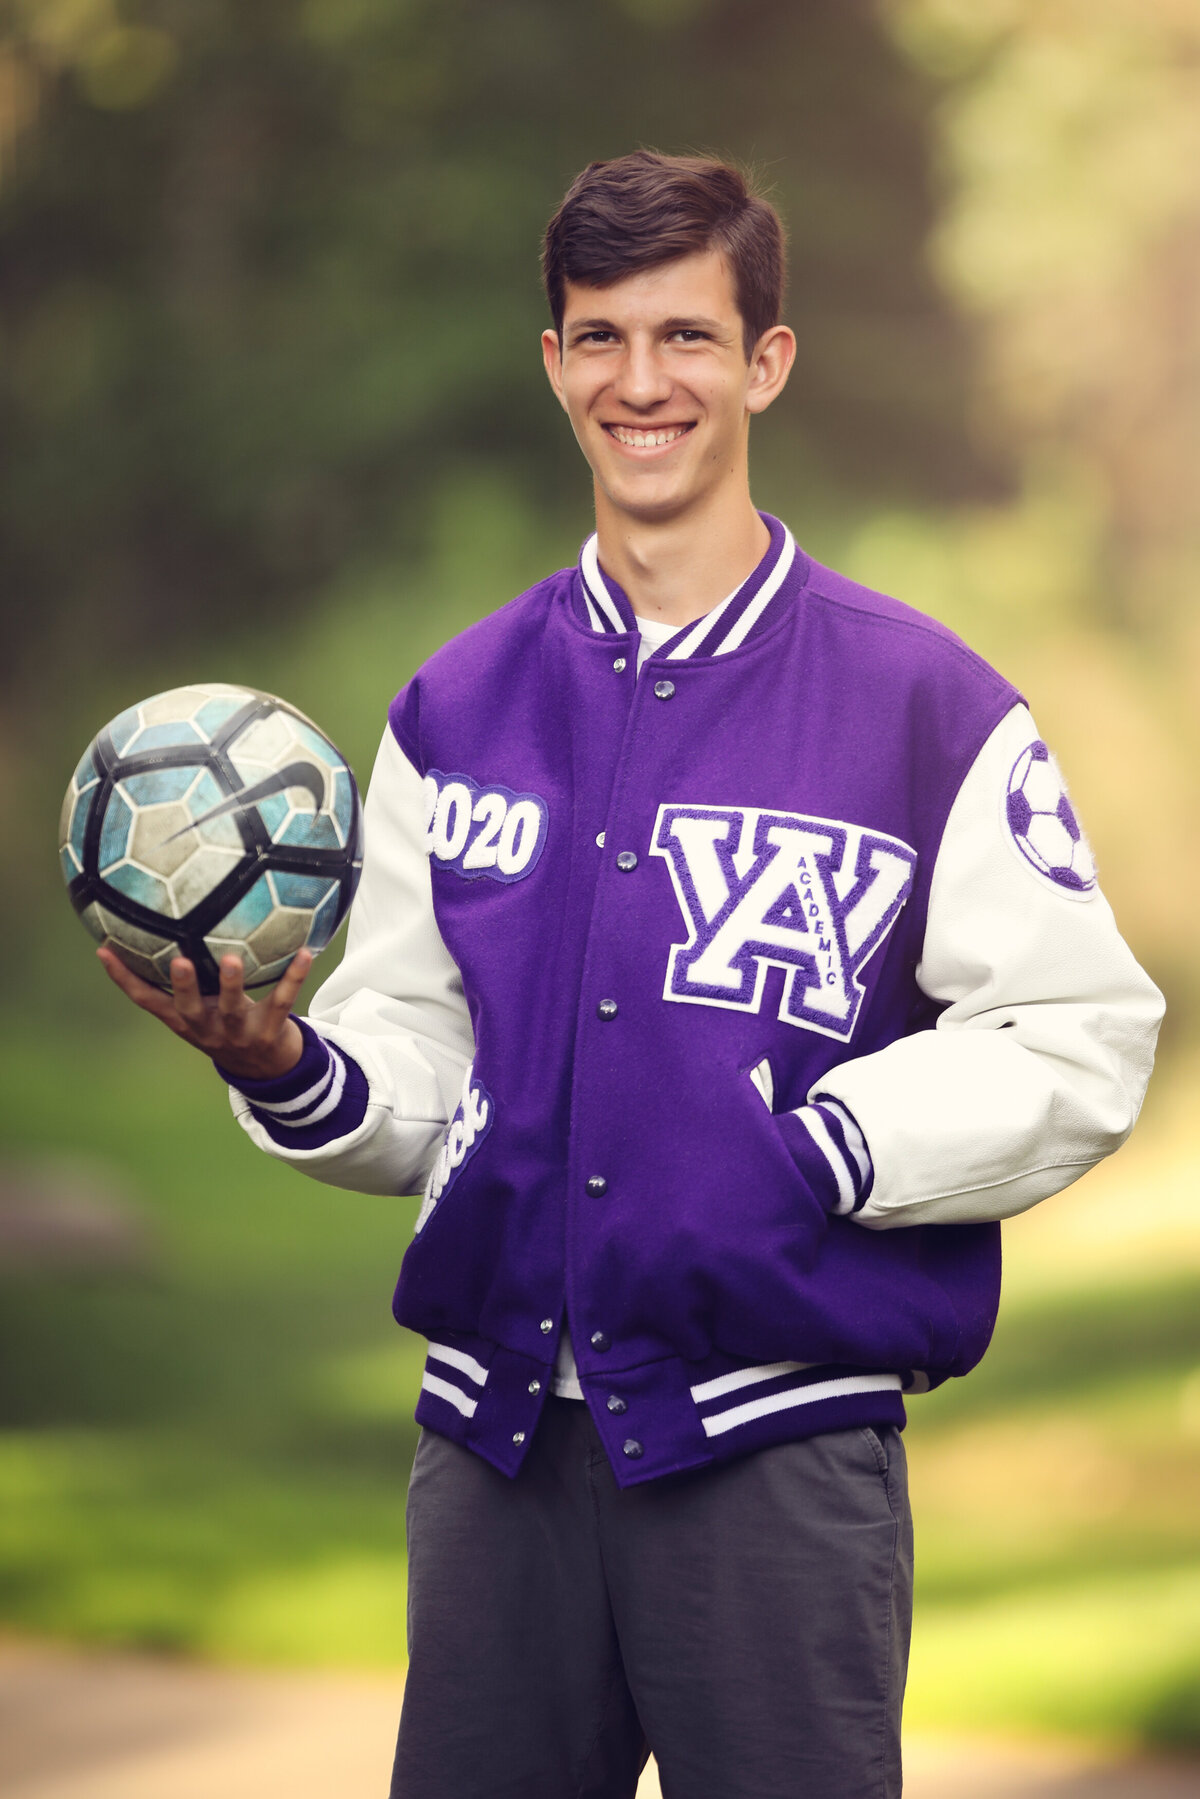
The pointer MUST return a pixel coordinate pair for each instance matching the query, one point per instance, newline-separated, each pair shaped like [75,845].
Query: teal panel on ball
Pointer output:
[302,890]
[249,913]
[314,832]
[273,810]
[124,726]
[79,819]
[167,737]
[203,798]
[114,832]
[325,919]
[213,714]
[86,774]
[318,745]
[342,803]
[140,885]
[207,793]
[158,785]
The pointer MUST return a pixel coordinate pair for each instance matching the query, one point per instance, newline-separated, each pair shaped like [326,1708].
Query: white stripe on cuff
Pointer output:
[856,1143]
[333,1098]
[810,1117]
[332,1103]
[281,1108]
[333,1086]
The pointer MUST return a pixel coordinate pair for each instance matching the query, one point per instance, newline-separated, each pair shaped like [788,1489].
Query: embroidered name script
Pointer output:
[811,895]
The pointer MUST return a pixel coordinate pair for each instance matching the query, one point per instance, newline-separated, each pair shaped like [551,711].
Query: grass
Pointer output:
[209,1454]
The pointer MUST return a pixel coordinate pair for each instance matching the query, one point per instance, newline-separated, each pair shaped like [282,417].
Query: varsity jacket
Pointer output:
[720,1009]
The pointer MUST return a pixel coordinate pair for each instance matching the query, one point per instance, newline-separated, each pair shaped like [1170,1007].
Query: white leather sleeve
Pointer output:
[395,1004]
[1037,1067]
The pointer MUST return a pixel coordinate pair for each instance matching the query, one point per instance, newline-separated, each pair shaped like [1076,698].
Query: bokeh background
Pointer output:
[271,411]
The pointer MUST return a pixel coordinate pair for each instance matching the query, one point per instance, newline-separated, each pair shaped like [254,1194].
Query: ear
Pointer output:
[770,366]
[552,359]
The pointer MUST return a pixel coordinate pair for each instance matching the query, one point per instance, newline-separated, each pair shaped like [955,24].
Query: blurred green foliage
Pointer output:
[270,410]
[270,273]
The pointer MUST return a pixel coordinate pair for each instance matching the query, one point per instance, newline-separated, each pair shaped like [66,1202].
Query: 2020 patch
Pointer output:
[814,896]
[487,833]
[1042,825]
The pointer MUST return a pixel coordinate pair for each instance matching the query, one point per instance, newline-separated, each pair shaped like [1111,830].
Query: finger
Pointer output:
[189,1001]
[291,981]
[149,998]
[232,1000]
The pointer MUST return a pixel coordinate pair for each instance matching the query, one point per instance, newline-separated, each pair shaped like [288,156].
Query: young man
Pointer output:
[710,975]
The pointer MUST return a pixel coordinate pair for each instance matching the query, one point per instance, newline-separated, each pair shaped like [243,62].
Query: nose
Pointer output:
[643,381]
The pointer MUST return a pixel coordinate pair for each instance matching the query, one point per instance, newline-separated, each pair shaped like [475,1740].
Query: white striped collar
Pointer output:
[602,608]
[730,623]
[721,630]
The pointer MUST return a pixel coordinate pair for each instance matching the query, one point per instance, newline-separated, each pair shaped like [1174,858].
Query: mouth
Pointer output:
[660,437]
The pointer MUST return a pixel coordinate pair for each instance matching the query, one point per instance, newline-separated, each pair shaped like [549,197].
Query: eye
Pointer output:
[594,337]
[689,335]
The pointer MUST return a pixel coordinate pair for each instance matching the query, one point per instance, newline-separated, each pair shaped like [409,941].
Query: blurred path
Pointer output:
[133,1727]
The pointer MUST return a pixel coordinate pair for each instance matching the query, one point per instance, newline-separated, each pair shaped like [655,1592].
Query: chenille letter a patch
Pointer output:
[810,895]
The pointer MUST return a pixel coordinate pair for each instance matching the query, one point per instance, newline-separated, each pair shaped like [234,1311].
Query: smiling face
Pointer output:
[653,375]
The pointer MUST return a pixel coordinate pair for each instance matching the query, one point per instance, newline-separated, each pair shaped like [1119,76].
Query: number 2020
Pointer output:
[486,831]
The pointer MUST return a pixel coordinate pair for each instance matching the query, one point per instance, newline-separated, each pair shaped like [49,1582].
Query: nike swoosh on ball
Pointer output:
[296,774]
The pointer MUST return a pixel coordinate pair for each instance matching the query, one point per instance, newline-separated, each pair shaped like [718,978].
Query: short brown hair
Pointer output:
[638,211]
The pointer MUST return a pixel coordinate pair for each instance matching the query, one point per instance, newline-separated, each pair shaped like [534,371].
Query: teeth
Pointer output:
[645,440]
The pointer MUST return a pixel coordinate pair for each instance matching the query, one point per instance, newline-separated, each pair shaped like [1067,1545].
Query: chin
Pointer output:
[651,507]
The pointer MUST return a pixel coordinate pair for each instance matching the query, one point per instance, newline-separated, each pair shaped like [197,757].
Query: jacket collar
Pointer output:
[748,610]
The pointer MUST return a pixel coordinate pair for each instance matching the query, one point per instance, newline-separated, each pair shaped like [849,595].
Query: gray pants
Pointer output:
[749,1623]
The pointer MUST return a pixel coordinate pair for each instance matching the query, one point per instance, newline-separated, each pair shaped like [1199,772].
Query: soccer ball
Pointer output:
[1043,823]
[206,821]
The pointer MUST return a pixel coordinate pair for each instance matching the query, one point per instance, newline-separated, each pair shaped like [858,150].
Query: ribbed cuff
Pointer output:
[831,1153]
[322,1098]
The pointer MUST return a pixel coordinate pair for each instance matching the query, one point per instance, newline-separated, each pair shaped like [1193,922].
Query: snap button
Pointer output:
[663,690]
[601,1340]
[619,665]
[597,1187]
[632,1448]
[535,1386]
[600,840]
[519,1437]
[546,1326]
[626,860]
[616,1404]
[606,1009]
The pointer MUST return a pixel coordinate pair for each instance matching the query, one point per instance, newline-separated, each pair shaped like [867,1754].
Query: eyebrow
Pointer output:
[676,324]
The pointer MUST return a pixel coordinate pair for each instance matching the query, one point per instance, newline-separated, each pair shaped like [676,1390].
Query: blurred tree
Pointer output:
[268,272]
[1067,140]
[1070,134]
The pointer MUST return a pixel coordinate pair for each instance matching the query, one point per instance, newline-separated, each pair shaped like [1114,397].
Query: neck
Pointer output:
[675,570]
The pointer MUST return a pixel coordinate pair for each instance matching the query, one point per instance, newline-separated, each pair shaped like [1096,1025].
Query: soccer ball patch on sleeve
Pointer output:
[1042,824]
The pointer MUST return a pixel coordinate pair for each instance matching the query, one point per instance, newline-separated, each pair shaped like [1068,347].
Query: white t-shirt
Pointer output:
[654,635]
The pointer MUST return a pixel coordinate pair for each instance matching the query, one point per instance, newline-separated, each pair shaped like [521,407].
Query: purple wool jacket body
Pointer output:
[707,1250]
[671,896]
